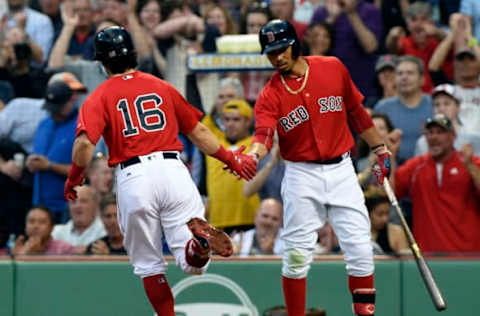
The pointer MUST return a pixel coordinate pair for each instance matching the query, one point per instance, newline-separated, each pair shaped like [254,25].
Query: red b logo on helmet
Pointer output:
[270,37]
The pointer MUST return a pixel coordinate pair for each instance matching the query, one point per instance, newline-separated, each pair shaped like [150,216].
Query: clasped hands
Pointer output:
[243,166]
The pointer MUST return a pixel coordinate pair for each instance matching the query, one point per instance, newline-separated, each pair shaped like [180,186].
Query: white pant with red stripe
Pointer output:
[314,194]
[154,196]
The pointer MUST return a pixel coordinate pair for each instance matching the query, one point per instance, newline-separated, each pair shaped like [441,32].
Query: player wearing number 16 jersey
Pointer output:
[140,117]
[310,102]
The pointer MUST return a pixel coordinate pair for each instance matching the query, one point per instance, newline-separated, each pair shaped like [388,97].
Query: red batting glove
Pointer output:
[75,178]
[382,168]
[242,165]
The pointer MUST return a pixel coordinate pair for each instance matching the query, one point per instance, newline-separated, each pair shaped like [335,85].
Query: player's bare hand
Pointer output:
[100,248]
[37,163]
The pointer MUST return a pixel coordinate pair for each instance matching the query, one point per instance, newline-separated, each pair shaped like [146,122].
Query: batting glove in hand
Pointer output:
[242,165]
[75,178]
[382,168]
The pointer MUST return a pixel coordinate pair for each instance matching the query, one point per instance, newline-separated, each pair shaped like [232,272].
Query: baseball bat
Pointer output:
[426,273]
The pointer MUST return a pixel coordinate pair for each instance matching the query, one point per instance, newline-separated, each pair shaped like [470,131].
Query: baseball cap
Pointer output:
[70,80]
[447,89]
[440,120]
[467,51]
[58,93]
[238,105]
[385,61]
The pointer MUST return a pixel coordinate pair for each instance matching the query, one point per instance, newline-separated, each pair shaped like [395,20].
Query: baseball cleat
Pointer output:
[211,237]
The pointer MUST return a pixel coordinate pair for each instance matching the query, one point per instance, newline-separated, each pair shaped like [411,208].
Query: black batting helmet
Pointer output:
[113,42]
[278,34]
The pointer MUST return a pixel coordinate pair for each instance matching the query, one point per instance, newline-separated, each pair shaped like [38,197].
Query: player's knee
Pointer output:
[359,260]
[296,263]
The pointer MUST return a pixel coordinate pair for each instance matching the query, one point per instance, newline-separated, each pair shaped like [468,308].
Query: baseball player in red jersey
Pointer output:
[310,102]
[140,117]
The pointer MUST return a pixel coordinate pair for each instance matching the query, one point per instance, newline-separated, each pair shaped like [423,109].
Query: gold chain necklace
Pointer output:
[304,83]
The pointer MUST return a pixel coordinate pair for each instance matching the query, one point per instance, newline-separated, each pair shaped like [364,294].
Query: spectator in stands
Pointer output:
[256,16]
[85,226]
[182,33]
[21,117]
[143,17]
[410,108]
[81,42]
[387,238]
[52,145]
[318,40]
[220,17]
[392,138]
[284,10]
[37,25]
[15,189]
[444,186]
[100,176]
[116,10]
[305,9]
[327,242]
[445,102]
[423,39]
[17,52]
[52,9]
[112,244]
[357,27]
[471,8]
[385,70]
[227,207]
[228,89]
[268,180]
[39,241]
[467,88]
[264,239]
[90,73]
[254,81]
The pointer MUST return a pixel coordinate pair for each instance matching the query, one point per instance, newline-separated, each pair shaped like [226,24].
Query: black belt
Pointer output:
[136,159]
[330,161]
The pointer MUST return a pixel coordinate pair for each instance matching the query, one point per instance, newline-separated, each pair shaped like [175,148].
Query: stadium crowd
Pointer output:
[416,62]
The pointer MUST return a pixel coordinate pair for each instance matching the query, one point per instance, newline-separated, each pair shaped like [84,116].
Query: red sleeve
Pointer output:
[266,117]
[187,115]
[403,176]
[358,117]
[91,119]
[476,161]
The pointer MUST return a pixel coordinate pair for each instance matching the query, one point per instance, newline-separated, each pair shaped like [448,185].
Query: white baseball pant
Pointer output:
[314,194]
[154,196]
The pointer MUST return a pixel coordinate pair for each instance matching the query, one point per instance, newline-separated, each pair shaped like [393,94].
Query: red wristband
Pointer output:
[76,173]
[222,154]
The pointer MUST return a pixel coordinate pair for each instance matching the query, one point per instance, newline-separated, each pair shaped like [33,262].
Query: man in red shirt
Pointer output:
[310,102]
[423,40]
[444,186]
[140,116]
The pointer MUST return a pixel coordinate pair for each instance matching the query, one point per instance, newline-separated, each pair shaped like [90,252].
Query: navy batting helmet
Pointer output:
[113,42]
[278,34]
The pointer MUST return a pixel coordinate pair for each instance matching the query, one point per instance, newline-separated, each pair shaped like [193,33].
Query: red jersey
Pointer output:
[313,124]
[137,114]
[446,214]
[408,47]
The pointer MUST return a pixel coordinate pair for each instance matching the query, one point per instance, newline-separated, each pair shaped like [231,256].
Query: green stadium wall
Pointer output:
[230,288]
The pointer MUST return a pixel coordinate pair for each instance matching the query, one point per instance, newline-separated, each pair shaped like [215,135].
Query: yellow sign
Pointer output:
[228,62]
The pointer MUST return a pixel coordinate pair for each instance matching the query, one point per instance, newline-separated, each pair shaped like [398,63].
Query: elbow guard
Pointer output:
[264,135]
